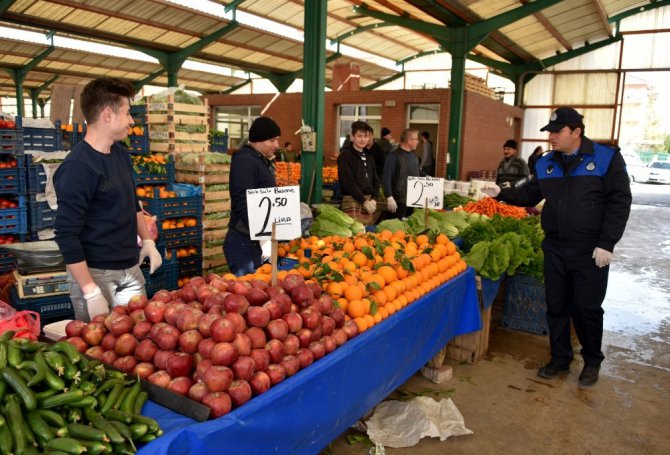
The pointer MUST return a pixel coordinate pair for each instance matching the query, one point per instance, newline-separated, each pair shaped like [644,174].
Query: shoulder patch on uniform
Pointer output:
[550,169]
[591,166]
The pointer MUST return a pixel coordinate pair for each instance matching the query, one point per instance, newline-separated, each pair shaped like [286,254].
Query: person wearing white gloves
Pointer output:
[587,203]
[400,164]
[358,177]
[251,168]
[99,218]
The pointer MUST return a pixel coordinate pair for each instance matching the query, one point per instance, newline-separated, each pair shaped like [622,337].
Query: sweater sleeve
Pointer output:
[347,175]
[528,195]
[390,166]
[242,178]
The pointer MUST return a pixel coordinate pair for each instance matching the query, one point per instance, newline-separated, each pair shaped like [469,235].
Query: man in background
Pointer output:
[512,170]
[428,158]
[386,141]
[400,164]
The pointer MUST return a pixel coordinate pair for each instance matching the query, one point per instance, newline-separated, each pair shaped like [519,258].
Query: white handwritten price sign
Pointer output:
[421,188]
[278,205]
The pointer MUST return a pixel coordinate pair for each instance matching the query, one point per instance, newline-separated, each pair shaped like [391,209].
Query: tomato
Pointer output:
[11,124]
[3,123]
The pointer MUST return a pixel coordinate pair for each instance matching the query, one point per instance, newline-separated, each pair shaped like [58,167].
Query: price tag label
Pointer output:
[279,205]
[421,188]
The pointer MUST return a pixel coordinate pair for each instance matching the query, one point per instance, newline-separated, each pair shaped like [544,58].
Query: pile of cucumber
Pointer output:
[54,400]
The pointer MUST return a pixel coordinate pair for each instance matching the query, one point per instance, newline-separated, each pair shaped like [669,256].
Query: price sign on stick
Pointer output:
[420,189]
[278,205]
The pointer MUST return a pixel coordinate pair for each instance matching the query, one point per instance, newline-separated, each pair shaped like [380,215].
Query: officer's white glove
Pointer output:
[266,249]
[602,257]
[96,303]
[492,190]
[391,204]
[370,206]
[149,251]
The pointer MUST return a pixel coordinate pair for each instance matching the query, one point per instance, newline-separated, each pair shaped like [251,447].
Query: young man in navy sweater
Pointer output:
[99,218]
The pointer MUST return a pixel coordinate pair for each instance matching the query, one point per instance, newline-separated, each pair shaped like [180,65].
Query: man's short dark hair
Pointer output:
[425,135]
[101,93]
[404,136]
[360,125]
[574,126]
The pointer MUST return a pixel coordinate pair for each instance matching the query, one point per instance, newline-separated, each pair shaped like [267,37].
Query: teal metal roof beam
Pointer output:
[236,87]
[142,82]
[35,93]
[357,30]
[419,55]
[383,81]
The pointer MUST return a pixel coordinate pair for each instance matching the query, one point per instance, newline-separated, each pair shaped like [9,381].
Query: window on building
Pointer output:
[425,117]
[349,113]
[235,119]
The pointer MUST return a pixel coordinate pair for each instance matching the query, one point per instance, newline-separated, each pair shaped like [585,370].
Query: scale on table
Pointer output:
[37,257]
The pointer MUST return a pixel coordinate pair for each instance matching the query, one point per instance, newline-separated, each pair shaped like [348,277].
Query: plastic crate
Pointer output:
[13,180]
[190,266]
[7,261]
[50,309]
[43,139]
[145,178]
[219,144]
[36,177]
[525,305]
[40,215]
[11,141]
[13,221]
[175,238]
[286,263]
[138,145]
[163,278]
[139,114]
[173,207]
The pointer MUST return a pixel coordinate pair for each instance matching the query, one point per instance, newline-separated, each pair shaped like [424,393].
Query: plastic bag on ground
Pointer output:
[403,423]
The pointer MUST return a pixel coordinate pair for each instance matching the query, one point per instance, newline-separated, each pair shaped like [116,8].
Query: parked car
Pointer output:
[637,170]
[659,172]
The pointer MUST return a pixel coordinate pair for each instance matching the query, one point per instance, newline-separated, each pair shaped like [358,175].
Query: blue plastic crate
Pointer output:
[139,114]
[163,278]
[190,266]
[139,145]
[525,305]
[219,144]
[7,261]
[173,207]
[13,180]
[36,177]
[11,141]
[145,178]
[286,263]
[40,215]
[176,238]
[43,139]
[14,221]
[51,309]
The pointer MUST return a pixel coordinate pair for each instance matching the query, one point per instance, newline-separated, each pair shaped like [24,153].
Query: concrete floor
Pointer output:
[510,409]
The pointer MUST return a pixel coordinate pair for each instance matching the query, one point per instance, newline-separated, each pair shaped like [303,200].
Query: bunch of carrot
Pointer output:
[489,206]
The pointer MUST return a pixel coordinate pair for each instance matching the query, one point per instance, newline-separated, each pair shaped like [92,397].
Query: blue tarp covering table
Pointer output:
[306,412]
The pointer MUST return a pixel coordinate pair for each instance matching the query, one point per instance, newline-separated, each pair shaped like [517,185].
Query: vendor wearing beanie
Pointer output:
[512,170]
[251,168]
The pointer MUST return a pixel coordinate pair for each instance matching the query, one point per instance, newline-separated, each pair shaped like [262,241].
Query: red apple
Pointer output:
[340,336]
[238,320]
[291,364]
[305,357]
[162,295]
[155,311]
[223,354]
[180,364]
[144,370]
[109,357]
[260,382]
[242,343]
[318,348]
[205,347]
[257,297]
[276,372]
[161,378]
[137,302]
[244,367]
[302,295]
[257,316]
[92,333]
[261,359]
[218,378]
[240,392]
[294,322]
[198,391]
[330,343]
[126,363]
[161,358]
[180,385]
[291,281]
[189,341]
[95,352]
[219,402]
[257,337]
[276,350]
[73,328]
[108,342]
[236,303]
[142,330]
[223,330]
[125,345]
[146,351]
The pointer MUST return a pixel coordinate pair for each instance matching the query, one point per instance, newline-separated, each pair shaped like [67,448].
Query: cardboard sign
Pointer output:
[278,205]
[421,188]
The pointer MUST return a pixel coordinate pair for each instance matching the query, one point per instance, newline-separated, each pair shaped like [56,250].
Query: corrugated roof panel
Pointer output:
[120,26]
[146,32]
[42,9]
[84,19]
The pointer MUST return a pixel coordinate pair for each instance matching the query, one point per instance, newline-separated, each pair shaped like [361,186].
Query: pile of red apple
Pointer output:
[218,341]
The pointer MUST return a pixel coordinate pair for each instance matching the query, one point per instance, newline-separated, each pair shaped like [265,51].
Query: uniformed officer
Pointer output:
[587,203]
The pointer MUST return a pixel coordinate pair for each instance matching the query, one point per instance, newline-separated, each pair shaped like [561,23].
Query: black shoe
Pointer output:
[589,376]
[552,369]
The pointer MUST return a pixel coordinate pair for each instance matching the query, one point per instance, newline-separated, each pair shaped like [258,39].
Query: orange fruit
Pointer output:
[343,304]
[422,239]
[370,320]
[353,293]
[441,239]
[362,324]
[357,308]
[334,289]
[387,273]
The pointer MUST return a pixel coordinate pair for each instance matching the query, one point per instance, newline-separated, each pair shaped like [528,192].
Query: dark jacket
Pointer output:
[96,219]
[357,178]
[378,154]
[511,170]
[400,164]
[248,170]
[586,204]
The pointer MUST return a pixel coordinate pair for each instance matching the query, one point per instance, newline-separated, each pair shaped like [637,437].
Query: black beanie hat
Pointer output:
[262,129]
[511,143]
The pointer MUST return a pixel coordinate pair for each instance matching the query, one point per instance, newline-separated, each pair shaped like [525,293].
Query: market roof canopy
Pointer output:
[160,28]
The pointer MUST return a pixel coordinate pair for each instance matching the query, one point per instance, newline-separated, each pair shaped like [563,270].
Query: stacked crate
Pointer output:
[138,137]
[167,121]
[214,179]
[13,212]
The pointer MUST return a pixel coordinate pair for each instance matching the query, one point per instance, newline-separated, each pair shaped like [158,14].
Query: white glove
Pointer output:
[493,190]
[96,303]
[602,257]
[370,206]
[266,249]
[391,204]
[149,251]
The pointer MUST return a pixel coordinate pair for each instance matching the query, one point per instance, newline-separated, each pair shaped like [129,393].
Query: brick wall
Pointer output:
[486,125]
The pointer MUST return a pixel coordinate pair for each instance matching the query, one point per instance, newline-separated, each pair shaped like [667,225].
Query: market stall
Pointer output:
[306,412]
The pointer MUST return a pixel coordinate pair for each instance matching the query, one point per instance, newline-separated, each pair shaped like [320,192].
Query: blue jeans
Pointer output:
[243,255]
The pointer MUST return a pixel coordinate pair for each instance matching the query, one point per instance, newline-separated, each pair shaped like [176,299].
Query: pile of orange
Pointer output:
[373,275]
[179,223]
[150,191]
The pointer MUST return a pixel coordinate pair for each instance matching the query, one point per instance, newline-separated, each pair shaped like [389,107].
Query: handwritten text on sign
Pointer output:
[421,188]
[279,205]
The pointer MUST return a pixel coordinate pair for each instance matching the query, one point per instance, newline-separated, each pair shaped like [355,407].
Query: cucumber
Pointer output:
[3,354]
[6,440]
[75,415]
[124,393]
[14,355]
[137,430]
[26,345]
[96,447]
[50,376]
[114,374]
[119,416]
[68,349]
[15,420]
[70,371]
[55,361]
[62,399]
[128,404]
[147,438]
[142,398]
[16,382]
[45,393]
[79,431]
[101,423]
[87,386]
[107,385]
[148,421]
[86,402]
[125,432]
[41,429]
[52,417]
[113,397]
[38,372]
[67,445]
[3,390]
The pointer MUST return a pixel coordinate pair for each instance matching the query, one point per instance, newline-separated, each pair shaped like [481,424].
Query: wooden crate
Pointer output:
[169,115]
[215,224]
[201,173]
[216,201]
[214,234]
